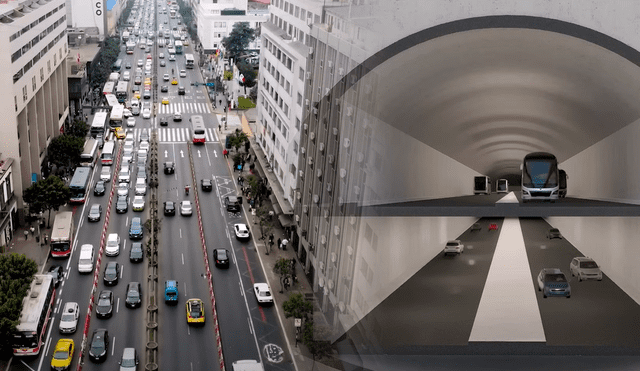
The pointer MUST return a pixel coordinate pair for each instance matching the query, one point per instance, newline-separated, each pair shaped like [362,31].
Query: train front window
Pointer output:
[540,174]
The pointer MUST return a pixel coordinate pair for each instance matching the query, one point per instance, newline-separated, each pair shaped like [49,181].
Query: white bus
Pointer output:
[112,101]
[114,76]
[98,125]
[62,235]
[117,115]
[108,152]
[37,308]
[189,60]
[178,47]
[89,154]
[197,129]
[122,91]
[109,88]
[131,47]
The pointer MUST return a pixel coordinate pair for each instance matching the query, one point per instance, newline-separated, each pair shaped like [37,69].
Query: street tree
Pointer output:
[249,74]
[78,128]
[313,338]
[16,274]
[297,306]
[238,40]
[283,269]
[65,150]
[238,139]
[264,222]
[46,195]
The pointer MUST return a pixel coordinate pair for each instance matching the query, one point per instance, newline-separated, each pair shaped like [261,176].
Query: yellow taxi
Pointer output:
[165,100]
[185,42]
[147,81]
[120,133]
[174,82]
[62,355]
[195,311]
[136,94]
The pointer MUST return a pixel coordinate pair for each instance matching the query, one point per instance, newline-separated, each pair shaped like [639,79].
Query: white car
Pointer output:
[144,146]
[126,76]
[146,113]
[127,156]
[453,247]
[105,173]
[185,208]
[242,232]
[131,121]
[113,245]
[138,203]
[183,73]
[262,292]
[127,113]
[69,318]
[165,77]
[161,55]
[141,187]
[123,189]
[124,175]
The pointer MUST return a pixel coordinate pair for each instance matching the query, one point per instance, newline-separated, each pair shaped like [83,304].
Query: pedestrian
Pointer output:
[26,235]
[33,230]
[279,243]
[220,101]
[225,153]
[243,164]
[284,244]
[219,127]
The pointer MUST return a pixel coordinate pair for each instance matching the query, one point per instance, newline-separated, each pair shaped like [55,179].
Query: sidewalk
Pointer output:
[302,357]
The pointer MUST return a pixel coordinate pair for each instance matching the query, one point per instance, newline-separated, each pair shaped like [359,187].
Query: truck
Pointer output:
[247,365]
[125,36]
[171,292]
[114,76]
[481,185]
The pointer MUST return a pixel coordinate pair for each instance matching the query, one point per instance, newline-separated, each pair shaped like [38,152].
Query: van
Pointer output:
[481,185]
[129,360]
[247,365]
[171,291]
[117,65]
[85,262]
[502,186]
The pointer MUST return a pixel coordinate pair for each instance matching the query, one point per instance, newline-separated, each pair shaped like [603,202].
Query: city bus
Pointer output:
[131,47]
[99,123]
[540,178]
[89,154]
[189,60]
[197,131]
[116,117]
[109,88]
[79,185]
[172,13]
[112,101]
[117,65]
[178,47]
[481,185]
[62,234]
[37,309]
[121,91]
[108,152]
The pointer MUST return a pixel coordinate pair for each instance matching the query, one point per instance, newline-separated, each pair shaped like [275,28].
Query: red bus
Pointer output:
[62,235]
[37,307]
[198,131]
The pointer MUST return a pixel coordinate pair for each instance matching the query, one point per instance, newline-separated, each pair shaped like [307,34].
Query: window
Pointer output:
[299,99]
[24,94]
[297,124]
[284,131]
[303,14]
[41,74]
[286,110]
[297,12]
[295,147]
[55,59]
[48,66]
[16,55]
[301,74]
[33,84]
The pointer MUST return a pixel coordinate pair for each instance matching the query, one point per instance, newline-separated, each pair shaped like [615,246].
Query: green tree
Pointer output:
[297,306]
[65,150]
[264,222]
[228,75]
[237,139]
[283,269]
[249,75]
[78,128]
[99,71]
[46,195]
[238,40]
[16,274]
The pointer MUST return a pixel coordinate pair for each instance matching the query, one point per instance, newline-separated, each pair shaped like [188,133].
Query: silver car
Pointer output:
[453,247]
[69,318]
[105,173]
[585,268]
[185,208]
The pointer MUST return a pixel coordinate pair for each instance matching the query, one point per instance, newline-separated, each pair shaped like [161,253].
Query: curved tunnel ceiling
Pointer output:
[488,96]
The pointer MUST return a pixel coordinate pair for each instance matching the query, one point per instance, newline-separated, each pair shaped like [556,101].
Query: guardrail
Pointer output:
[151,360]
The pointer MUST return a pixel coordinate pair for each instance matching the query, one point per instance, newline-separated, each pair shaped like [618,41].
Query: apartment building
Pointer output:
[8,201]
[36,104]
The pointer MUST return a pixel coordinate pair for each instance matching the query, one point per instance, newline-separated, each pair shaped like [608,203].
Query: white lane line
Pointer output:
[508,309]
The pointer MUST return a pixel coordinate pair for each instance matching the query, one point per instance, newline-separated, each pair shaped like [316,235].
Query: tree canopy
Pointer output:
[78,128]
[249,74]
[16,274]
[65,150]
[297,306]
[238,40]
[46,195]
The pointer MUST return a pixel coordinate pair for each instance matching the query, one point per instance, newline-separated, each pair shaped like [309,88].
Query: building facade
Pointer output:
[36,105]
[8,201]
[90,16]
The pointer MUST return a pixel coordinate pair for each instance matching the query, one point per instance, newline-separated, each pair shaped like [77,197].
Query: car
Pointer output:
[137,81]
[242,232]
[120,133]
[206,184]
[122,204]
[185,208]
[62,355]
[138,203]
[104,306]
[453,247]
[140,63]
[129,360]
[99,189]
[127,113]
[172,57]
[181,90]
[134,295]
[163,63]
[124,175]
[123,189]
[146,95]
[69,318]
[169,167]
[99,345]
[100,139]
[95,213]
[105,173]
[183,73]
[221,257]
[164,88]
[263,293]
[195,311]
[552,282]
[136,232]
[585,268]
[57,273]
[126,76]
[554,233]
[146,113]
[136,255]
[169,208]
[165,77]
[141,184]
[164,121]
[135,110]
[142,174]
[131,121]
[127,156]
[111,273]
[232,203]
[174,81]
[177,116]
[144,136]
[165,100]
[112,247]
[127,65]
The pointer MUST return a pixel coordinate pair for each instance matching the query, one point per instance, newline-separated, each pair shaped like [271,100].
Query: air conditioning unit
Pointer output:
[310,51]
[306,102]
[349,111]
[308,75]
[330,64]
[341,71]
[309,21]
[315,111]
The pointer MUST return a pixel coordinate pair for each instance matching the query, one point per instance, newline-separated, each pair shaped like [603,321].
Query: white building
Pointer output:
[36,102]
[88,15]
[215,21]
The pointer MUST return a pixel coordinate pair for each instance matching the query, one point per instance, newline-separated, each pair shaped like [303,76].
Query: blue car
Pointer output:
[552,282]
[135,230]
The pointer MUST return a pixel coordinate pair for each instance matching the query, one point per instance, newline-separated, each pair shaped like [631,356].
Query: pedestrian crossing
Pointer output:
[169,135]
[171,108]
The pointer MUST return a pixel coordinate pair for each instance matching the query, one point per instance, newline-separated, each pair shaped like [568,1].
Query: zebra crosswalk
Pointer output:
[168,135]
[201,107]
